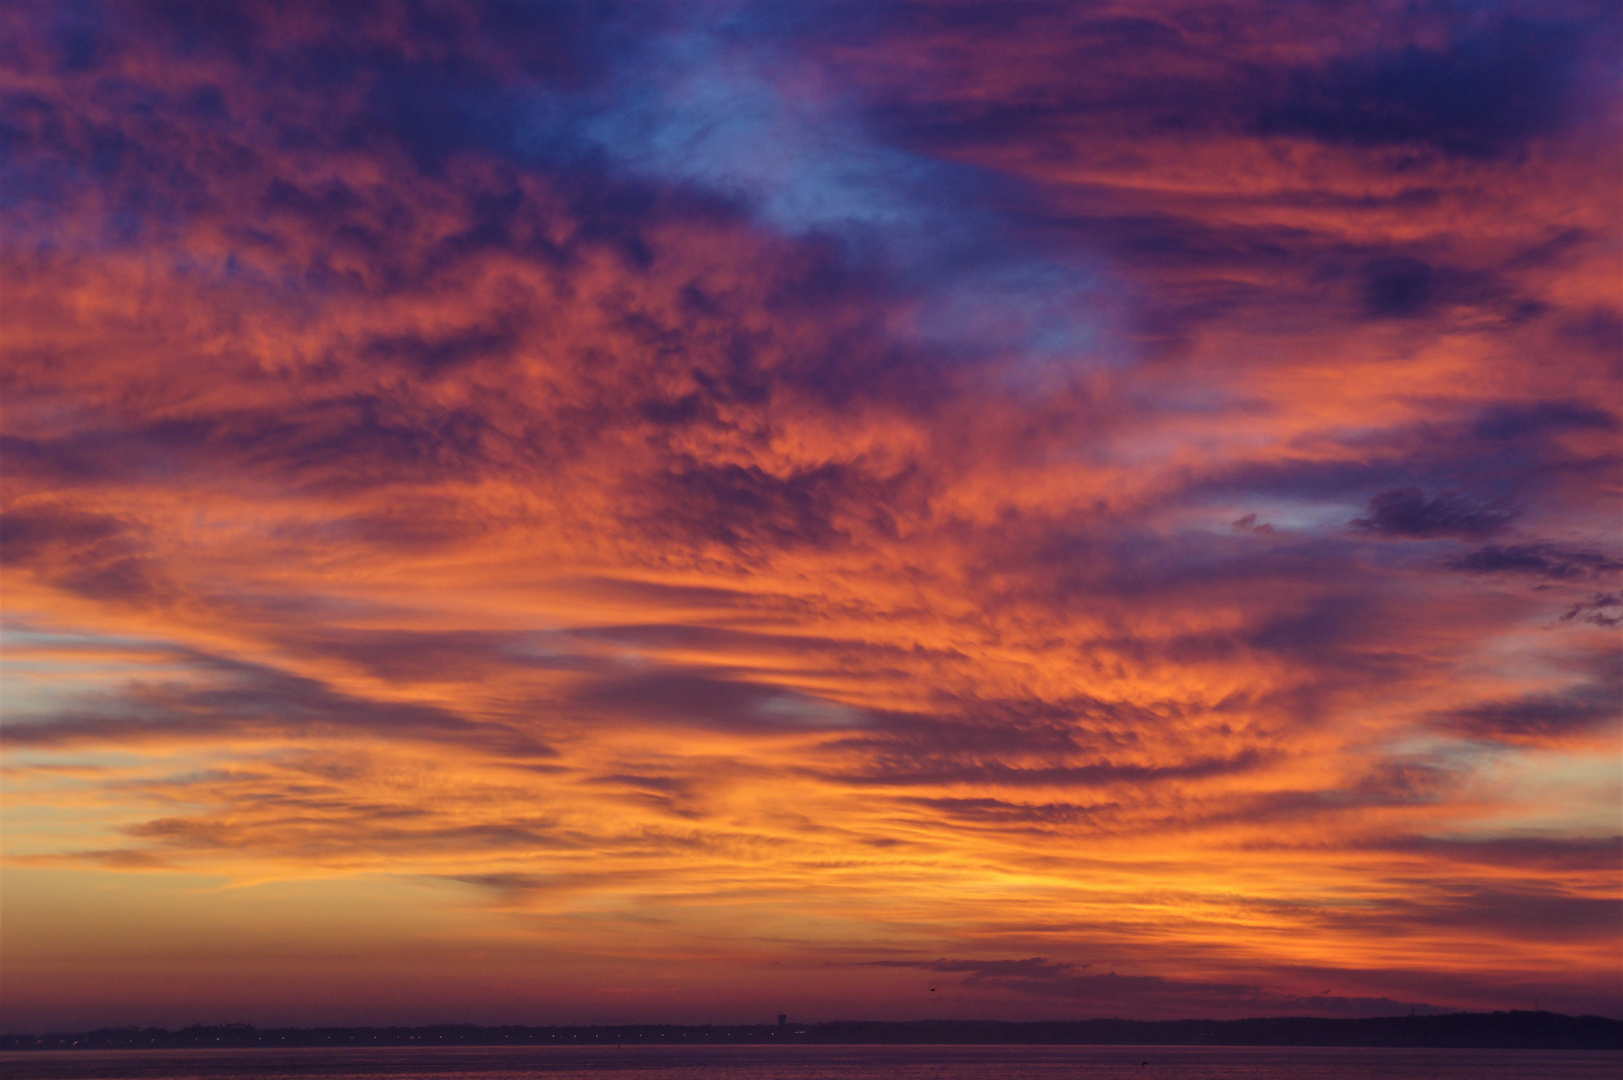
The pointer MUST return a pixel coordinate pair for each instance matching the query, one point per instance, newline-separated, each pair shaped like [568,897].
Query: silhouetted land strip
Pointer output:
[1499,1030]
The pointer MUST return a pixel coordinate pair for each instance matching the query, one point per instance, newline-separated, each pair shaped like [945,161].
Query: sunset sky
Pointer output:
[596,512]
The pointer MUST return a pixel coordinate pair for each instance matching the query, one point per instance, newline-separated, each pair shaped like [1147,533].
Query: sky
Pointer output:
[615,512]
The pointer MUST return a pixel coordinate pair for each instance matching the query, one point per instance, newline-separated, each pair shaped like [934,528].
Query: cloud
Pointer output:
[512,883]
[1397,286]
[751,510]
[1146,994]
[1534,913]
[111,858]
[98,555]
[228,699]
[1408,512]
[1601,609]
[1539,718]
[1521,852]
[1508,420]
[1001,813]
[678,697]
[1541,560]
[1485,93]
[904,769]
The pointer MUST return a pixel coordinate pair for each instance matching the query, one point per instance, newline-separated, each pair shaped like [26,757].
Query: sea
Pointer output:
[814,1062]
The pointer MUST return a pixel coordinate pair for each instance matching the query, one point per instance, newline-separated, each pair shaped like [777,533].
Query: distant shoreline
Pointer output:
[1499,1030]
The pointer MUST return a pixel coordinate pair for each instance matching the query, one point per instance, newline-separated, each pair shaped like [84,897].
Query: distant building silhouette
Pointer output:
[783,1018]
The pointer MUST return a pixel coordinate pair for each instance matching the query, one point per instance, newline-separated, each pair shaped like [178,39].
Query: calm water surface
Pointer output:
[816,1063]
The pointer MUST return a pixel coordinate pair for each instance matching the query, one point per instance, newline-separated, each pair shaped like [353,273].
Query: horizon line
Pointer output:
[1540,1028]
